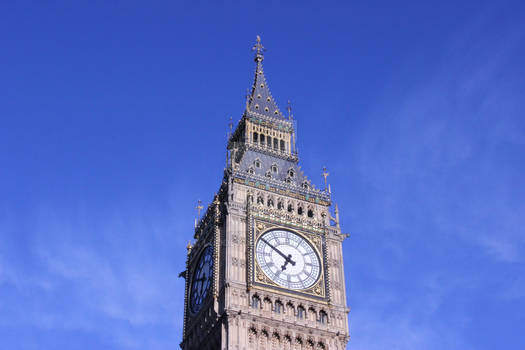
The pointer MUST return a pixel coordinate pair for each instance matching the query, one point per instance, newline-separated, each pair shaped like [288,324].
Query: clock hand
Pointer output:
[288,259]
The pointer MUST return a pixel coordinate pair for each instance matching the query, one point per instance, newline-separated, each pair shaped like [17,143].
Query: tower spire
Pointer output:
[260,101]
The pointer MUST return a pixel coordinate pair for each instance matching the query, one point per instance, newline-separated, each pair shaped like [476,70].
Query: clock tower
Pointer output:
[265,270]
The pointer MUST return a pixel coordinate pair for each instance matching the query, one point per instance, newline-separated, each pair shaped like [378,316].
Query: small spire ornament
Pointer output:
[199,208]
[325,175]
[259,49]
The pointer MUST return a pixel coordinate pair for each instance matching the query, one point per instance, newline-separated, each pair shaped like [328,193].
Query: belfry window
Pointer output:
[262,140]
[282,146]
[275,144]
[255,137]
[269,141]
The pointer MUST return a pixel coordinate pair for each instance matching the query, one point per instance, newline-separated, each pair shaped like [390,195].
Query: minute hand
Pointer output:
[288,259]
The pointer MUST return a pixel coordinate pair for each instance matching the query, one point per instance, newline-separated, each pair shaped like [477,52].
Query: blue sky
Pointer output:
[114,117]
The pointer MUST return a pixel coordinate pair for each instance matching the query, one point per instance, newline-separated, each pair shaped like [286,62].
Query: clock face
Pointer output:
[201,281]
[288,259]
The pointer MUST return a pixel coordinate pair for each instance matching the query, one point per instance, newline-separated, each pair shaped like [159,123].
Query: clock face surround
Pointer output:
[288,259]
[201,280]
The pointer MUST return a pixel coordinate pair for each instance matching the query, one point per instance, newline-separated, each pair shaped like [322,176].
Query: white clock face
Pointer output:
[288,259]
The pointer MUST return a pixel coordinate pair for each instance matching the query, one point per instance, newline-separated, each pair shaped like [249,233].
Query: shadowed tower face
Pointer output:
[266,267]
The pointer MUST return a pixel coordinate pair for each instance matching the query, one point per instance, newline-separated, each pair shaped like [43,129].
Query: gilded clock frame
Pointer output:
[256,276]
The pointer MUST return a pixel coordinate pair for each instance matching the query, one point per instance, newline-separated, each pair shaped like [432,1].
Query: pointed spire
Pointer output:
[260,101]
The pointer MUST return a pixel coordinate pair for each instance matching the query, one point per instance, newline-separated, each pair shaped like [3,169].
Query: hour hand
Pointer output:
[287,259]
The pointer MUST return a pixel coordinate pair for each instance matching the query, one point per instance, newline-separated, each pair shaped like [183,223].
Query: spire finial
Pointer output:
[289,109]
[259,49]
[325,175]
[199,207]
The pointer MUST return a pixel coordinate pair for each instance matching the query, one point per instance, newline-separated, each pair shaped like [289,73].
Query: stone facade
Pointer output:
[264,189]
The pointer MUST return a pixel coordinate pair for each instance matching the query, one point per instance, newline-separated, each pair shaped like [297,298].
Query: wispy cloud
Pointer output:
[443,164]
[97,282]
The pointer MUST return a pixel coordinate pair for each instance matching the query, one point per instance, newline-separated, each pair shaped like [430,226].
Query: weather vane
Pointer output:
[258,48]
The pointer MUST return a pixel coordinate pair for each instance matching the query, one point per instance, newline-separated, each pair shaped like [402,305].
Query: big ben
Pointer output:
[265,269]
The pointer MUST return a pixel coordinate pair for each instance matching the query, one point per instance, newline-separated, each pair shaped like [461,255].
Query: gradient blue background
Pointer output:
[114,117]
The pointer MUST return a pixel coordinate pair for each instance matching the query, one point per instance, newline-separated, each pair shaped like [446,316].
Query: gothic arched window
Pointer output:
[278,307]
[290,208]
[301,312]
[255,137]
[269,141]
[323,317]
[275,144]
[300,210]
[310,213]
[256,302]
[282,146]
[274,168]
[280,205]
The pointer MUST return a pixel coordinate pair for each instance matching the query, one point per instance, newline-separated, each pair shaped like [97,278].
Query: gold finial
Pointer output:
[325,175]
[189,246]
[199,208]
[258,48]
